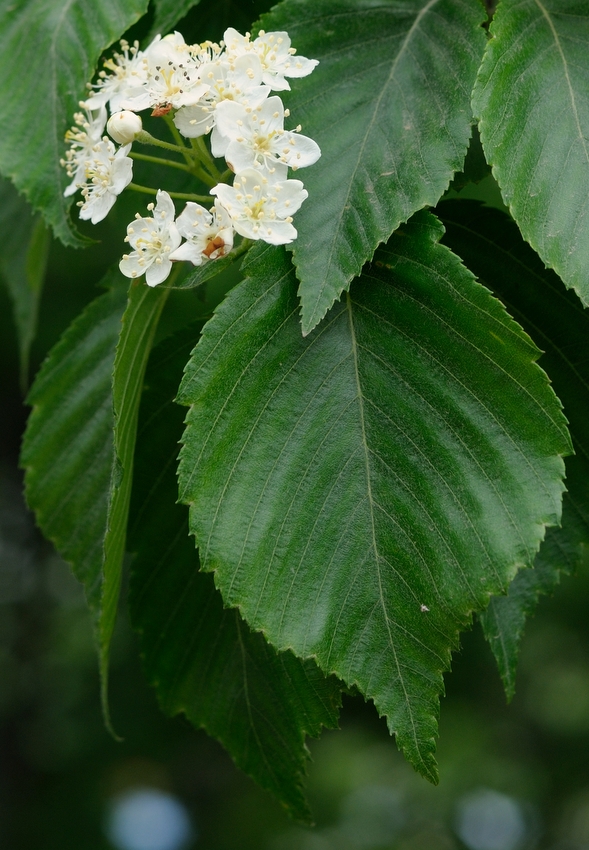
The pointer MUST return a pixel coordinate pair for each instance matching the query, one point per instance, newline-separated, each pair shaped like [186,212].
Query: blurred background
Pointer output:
[512,777]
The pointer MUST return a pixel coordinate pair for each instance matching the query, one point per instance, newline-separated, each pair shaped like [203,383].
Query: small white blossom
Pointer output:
[208,236]
[240,81]
[260,208]
[107,172]
[153,240]
[124,126]
[257,139]
[82,139]
[172,76]
[277,56]
[126,78]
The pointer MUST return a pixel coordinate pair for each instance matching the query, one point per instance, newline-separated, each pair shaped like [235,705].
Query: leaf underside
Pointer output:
[532,99]
[389,105]
[490,244]
[202,658]
[359,492]
[48,52]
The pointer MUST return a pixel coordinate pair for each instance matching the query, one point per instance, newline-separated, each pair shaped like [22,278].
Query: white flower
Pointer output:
[172,76]
[260,208]
[277,56]
[107,172]
[153,240]
[208,236]
[258,138]
[239,81]
[124,126]
[128,76]
[82,139]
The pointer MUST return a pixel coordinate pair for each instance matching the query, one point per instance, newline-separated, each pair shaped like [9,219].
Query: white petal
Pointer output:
[164,205]
[300,66]
[277,232]
[189,252]
[130,267]
[193,220]
[302,153]
[158,272]
[290,196]
[193,121]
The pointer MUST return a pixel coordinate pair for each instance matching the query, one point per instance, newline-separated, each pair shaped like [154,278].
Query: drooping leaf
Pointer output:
[490,244]
[389,105]
[48,51]
[79,444]
[68,445]
[138,327]
[23,260]
[167,14]
[202,658]
[532,99]
[360,491]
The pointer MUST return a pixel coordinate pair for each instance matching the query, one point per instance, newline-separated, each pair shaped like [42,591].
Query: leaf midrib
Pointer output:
[372,522]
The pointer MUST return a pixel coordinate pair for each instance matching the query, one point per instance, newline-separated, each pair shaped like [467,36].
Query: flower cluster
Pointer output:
[222,90]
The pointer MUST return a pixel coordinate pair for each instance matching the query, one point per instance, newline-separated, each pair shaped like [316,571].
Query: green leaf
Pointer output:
[167,14]
[48,51]
[68,445]
[202,659]
[359,492]
[80,439]
[200,274]
[532,99]
[389,105]
[139,324]
[25,247]
[490,244]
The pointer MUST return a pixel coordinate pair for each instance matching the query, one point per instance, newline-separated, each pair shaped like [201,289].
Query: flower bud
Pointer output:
[124,127]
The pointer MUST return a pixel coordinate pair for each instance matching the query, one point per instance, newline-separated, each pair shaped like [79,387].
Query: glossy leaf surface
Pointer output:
[48,52]
[359,492]
[202,658]
[493,249]
[389,105]
[532,98]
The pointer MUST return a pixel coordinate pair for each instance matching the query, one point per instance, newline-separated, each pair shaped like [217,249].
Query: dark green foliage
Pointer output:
[202,658]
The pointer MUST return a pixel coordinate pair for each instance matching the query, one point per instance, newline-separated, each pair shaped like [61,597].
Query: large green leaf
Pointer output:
[25,246]
[68,446]
[203,659]
[389,105]
[48,51]
[532,99]
[360,491]
[80,440]
[491,246]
